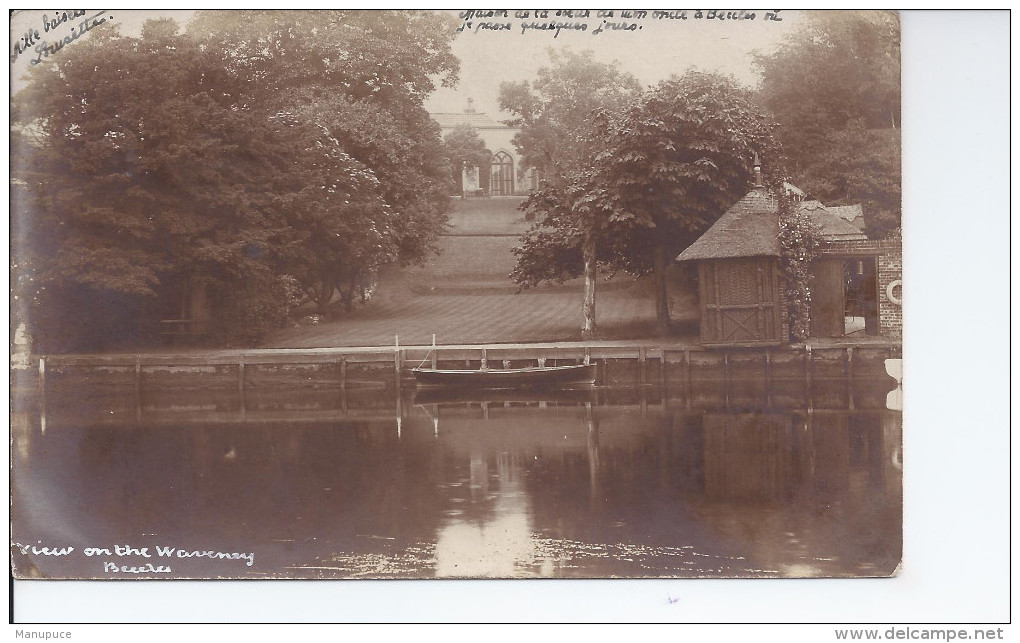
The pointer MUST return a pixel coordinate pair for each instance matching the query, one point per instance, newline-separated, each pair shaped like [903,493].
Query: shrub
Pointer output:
[255,309]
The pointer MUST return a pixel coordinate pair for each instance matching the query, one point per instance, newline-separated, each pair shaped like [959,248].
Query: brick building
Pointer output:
[882,258]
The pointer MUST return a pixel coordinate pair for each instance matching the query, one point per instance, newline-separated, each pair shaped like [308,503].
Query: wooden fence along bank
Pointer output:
[286,383]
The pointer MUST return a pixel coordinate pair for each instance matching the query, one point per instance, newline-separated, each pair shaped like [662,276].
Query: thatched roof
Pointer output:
[847,212]
[750,228]
[854,214]
[830,225]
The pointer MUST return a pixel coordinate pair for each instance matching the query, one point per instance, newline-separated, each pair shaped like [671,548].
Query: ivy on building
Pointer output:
[798,242]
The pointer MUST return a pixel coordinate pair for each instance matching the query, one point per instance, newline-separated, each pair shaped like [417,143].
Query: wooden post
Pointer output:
[663,380]
[768,379]
[593,458]
[343,385]
[642,357]
[726,378]
[485,360]
[644,400]
[240,386]
[435,359]
[808,368]
[138,375]
[240,378]
[687,378]
[42,394]
[398,358]
[400,409]
[398,363]
[662,372]
[138,387]
[850,377]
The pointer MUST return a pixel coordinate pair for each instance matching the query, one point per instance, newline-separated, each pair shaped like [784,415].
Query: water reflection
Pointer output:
[619,482]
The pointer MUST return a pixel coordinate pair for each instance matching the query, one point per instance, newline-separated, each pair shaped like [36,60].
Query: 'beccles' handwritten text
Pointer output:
[151,557]
[595,22]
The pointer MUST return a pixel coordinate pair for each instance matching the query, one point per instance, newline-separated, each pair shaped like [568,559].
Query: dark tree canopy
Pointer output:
[834,87]
[361,77]
[148,171]
[226,157]
[679,158]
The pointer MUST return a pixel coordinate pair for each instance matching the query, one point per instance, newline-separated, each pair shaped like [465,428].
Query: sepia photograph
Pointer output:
[464,294]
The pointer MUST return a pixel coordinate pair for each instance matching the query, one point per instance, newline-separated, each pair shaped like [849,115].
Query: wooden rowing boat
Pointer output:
[496,378]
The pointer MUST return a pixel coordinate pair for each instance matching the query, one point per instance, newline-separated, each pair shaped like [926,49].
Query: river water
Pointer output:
[615,482]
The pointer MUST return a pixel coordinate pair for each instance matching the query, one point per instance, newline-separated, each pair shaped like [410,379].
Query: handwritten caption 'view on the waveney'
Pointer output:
[141,560]
[594,22]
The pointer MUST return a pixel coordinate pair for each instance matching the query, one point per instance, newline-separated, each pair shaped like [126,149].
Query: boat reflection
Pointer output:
[626,482]
[540,396]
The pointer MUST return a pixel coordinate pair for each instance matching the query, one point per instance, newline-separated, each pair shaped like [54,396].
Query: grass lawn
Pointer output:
[487,216]
[465,296]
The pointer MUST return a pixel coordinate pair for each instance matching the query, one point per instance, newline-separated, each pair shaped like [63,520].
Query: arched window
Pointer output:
[501,176]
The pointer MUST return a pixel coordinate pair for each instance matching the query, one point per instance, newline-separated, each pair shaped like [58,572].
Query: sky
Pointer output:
[659,49]
[488,58]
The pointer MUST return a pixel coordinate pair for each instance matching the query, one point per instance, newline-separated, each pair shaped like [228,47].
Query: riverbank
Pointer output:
[465,296]
[363,382]
[327,353]
[635,363]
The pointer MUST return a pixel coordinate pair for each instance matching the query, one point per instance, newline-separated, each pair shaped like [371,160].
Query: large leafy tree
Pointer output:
[561,116]
[671,165]
[339,226]
[834,87]
[361,77]
[141,169]
[223,156]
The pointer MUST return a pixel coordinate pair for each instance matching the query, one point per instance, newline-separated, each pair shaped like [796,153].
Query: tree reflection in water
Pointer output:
[632,483]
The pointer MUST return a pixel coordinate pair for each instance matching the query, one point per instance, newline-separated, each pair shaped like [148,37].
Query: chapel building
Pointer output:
[504,175]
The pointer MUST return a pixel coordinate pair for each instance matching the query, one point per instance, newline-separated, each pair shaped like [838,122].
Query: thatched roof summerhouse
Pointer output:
[739,282]
[738,274]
